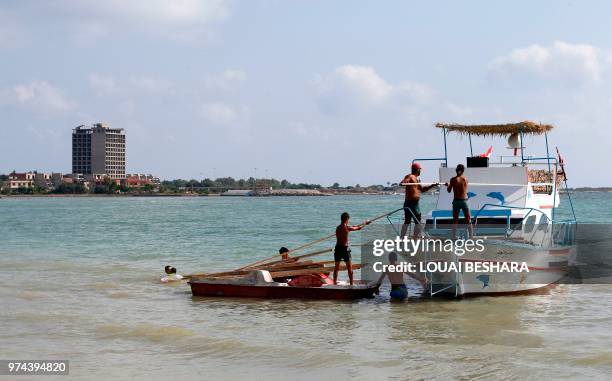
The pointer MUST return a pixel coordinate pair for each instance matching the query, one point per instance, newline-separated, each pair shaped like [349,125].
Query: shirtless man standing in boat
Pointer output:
[459,186]
[342,252]
[412,211]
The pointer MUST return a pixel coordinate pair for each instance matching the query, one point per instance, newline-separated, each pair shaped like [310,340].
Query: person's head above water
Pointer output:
[170,270]
[460,169]
[284,252]
[344,217]
[392,257]
[415,168]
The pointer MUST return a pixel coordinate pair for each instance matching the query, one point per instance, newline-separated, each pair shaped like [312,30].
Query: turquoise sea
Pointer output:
[81,282]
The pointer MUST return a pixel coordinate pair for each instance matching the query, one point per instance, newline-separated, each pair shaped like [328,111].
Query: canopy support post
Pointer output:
[471,150]
[522,147]
[445,150]
[548,158]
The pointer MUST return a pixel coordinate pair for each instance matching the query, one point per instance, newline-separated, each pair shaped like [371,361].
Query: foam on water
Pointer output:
[150,332]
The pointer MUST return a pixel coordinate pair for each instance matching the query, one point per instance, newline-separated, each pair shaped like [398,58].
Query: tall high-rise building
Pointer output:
[98,150]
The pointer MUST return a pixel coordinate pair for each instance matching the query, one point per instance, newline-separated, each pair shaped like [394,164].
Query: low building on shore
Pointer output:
[20,180]
[140,181]
[238,192]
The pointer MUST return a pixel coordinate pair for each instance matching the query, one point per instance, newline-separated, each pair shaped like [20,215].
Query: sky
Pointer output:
[309,91]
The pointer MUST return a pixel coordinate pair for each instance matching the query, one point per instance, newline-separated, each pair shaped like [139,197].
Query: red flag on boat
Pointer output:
[561,164]
[561,161]
[487,152]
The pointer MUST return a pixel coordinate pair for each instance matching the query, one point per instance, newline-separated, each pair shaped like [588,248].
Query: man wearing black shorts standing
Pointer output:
[412,211]
[342,252]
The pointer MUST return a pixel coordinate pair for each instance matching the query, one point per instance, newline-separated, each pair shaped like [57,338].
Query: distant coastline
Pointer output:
[591,189]
[323,192]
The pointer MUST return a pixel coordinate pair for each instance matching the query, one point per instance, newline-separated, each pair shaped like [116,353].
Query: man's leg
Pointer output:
[417,226]
[336,267]
[405,227]
[349,268]
[455,222]
[468,221]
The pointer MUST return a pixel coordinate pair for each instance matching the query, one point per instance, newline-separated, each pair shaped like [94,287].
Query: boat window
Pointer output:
[530,223]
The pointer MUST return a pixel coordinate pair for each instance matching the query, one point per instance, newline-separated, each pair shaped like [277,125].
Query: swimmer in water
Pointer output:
[171,275]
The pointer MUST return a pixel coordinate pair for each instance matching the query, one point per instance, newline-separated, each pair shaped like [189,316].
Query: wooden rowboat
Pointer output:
[358,291]
[261,285]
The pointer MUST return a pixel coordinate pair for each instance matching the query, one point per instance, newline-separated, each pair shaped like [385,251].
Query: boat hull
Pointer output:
[274,292]
[546,267]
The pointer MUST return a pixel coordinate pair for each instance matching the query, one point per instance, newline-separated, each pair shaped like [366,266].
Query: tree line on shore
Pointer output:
[204,186]
[226,183]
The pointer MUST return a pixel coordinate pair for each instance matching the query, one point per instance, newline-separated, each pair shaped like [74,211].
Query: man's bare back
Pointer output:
[342,234]
[459,185]
[395,277]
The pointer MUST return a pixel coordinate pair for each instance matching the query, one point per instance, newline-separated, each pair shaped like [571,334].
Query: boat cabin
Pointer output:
[507,192]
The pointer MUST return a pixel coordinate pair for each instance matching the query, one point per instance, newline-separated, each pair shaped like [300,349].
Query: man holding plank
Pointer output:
[342,252]
[412,211]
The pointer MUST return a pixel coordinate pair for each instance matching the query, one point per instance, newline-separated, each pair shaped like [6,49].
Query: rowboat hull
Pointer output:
[202,288]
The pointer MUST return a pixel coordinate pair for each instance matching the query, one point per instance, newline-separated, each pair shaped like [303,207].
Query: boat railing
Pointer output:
[562,230]
[509,229]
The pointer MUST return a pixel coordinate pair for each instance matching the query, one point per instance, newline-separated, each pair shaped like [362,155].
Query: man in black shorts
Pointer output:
[342,252]
[412,211]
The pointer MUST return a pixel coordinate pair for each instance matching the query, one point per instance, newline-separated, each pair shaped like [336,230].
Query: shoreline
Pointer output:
[274,194]
[186,195]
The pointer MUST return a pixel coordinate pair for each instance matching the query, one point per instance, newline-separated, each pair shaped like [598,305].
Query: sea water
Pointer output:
[80,281]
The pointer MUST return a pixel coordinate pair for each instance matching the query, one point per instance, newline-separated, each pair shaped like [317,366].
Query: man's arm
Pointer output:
[358,227]
[449,185]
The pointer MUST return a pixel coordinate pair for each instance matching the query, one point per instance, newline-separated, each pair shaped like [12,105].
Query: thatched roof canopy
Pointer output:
[525,127]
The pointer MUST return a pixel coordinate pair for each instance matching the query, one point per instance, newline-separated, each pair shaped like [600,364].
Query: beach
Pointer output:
[81,282]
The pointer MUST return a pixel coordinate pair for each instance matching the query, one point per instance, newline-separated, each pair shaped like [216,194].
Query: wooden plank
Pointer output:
[280,274]
[280,267]
[318,270]
[288,260]
[297,265]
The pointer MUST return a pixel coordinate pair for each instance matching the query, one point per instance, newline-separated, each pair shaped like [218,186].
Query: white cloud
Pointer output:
[150,84]
[561,63]
[234,75]
[88,21]
[84,22]
[222,113]
[39,96]
[164,12]
[353,86]
[105,85]
[102,85]
[227,80]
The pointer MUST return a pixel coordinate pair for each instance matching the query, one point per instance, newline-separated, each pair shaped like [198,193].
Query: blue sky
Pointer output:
[315,91]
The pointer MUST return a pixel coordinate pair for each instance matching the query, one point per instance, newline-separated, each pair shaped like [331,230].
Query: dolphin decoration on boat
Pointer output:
[484,279]
[470,195]
[498,196]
